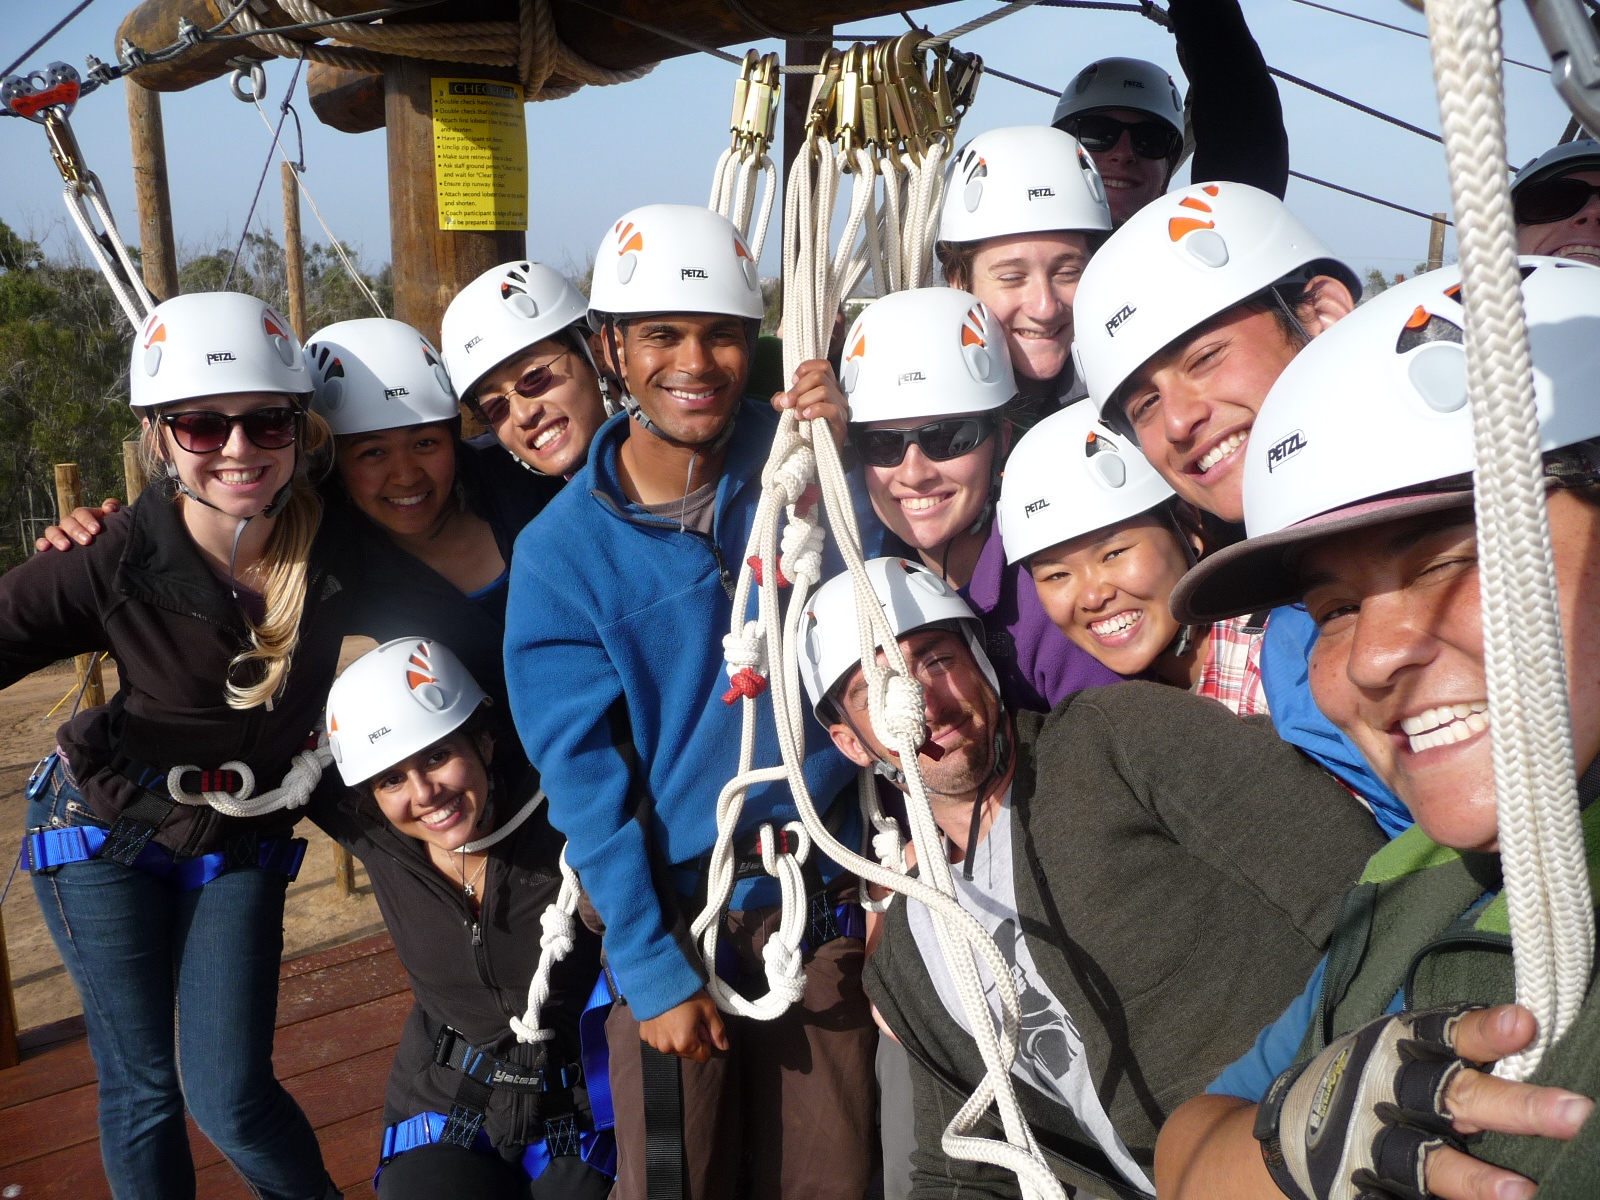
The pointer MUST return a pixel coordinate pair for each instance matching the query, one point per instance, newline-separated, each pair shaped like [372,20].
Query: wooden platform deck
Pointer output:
[340,1012]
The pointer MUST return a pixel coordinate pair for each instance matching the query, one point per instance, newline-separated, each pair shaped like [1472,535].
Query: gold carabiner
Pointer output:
[65,150]
[824,94]
[741,88]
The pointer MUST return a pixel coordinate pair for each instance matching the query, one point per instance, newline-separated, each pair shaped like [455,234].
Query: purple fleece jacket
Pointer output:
[1038,666]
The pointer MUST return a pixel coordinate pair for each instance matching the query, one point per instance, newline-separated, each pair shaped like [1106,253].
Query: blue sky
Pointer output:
[602,151]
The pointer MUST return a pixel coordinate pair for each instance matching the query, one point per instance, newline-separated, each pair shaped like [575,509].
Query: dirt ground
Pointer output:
[316,916]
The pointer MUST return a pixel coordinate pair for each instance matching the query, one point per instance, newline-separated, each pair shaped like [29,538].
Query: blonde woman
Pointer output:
[219,596]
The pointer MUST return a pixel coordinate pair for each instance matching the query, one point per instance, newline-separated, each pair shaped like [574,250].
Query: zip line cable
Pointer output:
[1339,187]
[283,115]
[1355,104]
[54,29]
[1412,32]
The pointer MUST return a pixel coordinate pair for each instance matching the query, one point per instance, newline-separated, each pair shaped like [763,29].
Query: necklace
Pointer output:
[467,888]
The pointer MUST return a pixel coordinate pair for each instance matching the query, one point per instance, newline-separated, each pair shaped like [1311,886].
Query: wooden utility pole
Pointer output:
[132,472]
[1436,242]
[69,495]
[156,245]
[797,93]
[430,264]
[294,259]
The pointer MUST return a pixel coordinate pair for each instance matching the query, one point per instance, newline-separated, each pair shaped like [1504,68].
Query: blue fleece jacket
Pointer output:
[614,632]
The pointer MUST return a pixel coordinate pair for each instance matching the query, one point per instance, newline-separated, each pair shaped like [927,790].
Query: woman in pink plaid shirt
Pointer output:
[1106,540]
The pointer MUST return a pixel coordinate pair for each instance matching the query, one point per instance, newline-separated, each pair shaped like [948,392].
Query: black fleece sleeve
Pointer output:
[52,606]
[1236,116]
[1241,799]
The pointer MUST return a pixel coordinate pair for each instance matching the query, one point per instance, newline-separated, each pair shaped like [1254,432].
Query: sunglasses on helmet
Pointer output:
[1149,139]
[204,432]
[939,440]
[1552,200]
[531,384]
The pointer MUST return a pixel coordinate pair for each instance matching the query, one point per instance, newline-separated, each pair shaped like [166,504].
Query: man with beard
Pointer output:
[1061,824]
[621,594]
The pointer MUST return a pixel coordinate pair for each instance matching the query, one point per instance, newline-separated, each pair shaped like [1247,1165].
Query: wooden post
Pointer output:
[293,254]
[430,265]
[156,245]
[344,872]
[797,94]
[9,1057]
[69,495]
[132,472]
[1436,242]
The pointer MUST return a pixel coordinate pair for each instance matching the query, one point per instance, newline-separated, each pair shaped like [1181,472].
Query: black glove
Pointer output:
[1357,1121]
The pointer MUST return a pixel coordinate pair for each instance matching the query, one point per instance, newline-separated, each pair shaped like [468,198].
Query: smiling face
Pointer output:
[1029,282]
[1398,661]
[1192,405]
[927,503]
[687,371]
[1108,590]
[241,478]
[1131,182]
[440,794]
[402,478]
[551,429]
[1577,237]
[960,708]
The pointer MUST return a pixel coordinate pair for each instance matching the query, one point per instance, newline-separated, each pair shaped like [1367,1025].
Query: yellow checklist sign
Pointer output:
[480,154]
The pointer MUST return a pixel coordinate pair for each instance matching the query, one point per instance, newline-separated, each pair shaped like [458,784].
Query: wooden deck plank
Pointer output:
[57,1069]
[340,986]
[48,1124]
[322,959]
[339,1035]
[71,1174]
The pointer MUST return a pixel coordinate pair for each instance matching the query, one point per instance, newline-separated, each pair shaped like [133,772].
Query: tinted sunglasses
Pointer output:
[532,383]
[939,440]
[202,432]
[1149,139]
[1552,200]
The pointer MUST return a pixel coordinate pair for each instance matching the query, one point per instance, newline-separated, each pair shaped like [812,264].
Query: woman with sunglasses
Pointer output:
[159,830]
[1556,199]
[516,345]
[1024,211]
[1106,539]
[928,379]
[1128,115]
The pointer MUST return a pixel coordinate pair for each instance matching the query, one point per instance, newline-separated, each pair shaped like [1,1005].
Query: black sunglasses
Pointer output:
[1552,200]
[532,383]
[204,432]
[1149,139]
[939,440]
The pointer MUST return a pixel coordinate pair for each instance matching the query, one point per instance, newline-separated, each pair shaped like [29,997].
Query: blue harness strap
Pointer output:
[47,849]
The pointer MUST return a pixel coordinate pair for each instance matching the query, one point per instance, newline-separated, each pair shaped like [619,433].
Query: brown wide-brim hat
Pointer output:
[1262,573]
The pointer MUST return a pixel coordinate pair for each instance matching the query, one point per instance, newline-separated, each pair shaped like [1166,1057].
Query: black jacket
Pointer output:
[143,593]
[1178,875]
[1235,114]
[470,975]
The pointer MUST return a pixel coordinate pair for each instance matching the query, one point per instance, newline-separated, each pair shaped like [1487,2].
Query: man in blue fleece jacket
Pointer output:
[621,594]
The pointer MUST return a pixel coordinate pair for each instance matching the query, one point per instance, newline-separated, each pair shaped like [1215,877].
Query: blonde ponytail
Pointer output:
[285,564]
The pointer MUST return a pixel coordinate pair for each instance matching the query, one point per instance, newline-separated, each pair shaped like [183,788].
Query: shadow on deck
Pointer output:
[340,1012]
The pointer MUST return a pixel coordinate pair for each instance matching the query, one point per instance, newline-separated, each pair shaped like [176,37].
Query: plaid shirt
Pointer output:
[1231,671]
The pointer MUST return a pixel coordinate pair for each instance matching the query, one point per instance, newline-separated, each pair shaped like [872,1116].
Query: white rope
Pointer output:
[305,771]
[1541,834]
[136,303]
[559,923]
[510,827]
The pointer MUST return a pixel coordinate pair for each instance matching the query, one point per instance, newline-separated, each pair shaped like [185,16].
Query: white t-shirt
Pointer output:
[1050,1054]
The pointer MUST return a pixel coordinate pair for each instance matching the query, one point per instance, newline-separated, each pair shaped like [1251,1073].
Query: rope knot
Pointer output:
[755,569]
[560,931]
[746,685]
[902,723]
[746,648]
[801,553]
[784,969]
[792,840]
[789,480]
[805,502]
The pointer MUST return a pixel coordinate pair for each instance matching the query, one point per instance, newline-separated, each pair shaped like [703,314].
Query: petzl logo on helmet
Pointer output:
[377,733]
[1117,318]
[1036,506]
[912,377]
[468,347]
[1284,449]
[220,356]
[1041,193]
[391,393]
[693,273]
[1134,83]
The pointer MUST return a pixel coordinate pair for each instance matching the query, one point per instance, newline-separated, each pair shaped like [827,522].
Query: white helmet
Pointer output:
[376,373]
[1025,179]
[674,258]
[396,700]
[1179,261]
[912,596]
[1378,404]
[214,344]
[1122,83]
[1559,160]
[1068,476]
[500,314]
[928,352]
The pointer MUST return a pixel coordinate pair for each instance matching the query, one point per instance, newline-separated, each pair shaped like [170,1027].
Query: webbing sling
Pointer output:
[665,1162]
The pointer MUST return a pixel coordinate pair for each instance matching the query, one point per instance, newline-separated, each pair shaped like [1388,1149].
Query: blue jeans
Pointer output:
[140,951]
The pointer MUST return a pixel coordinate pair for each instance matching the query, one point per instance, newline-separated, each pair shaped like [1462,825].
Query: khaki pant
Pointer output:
[788,1110]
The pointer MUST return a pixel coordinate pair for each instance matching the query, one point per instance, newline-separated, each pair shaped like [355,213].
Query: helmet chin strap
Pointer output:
[1183,642]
